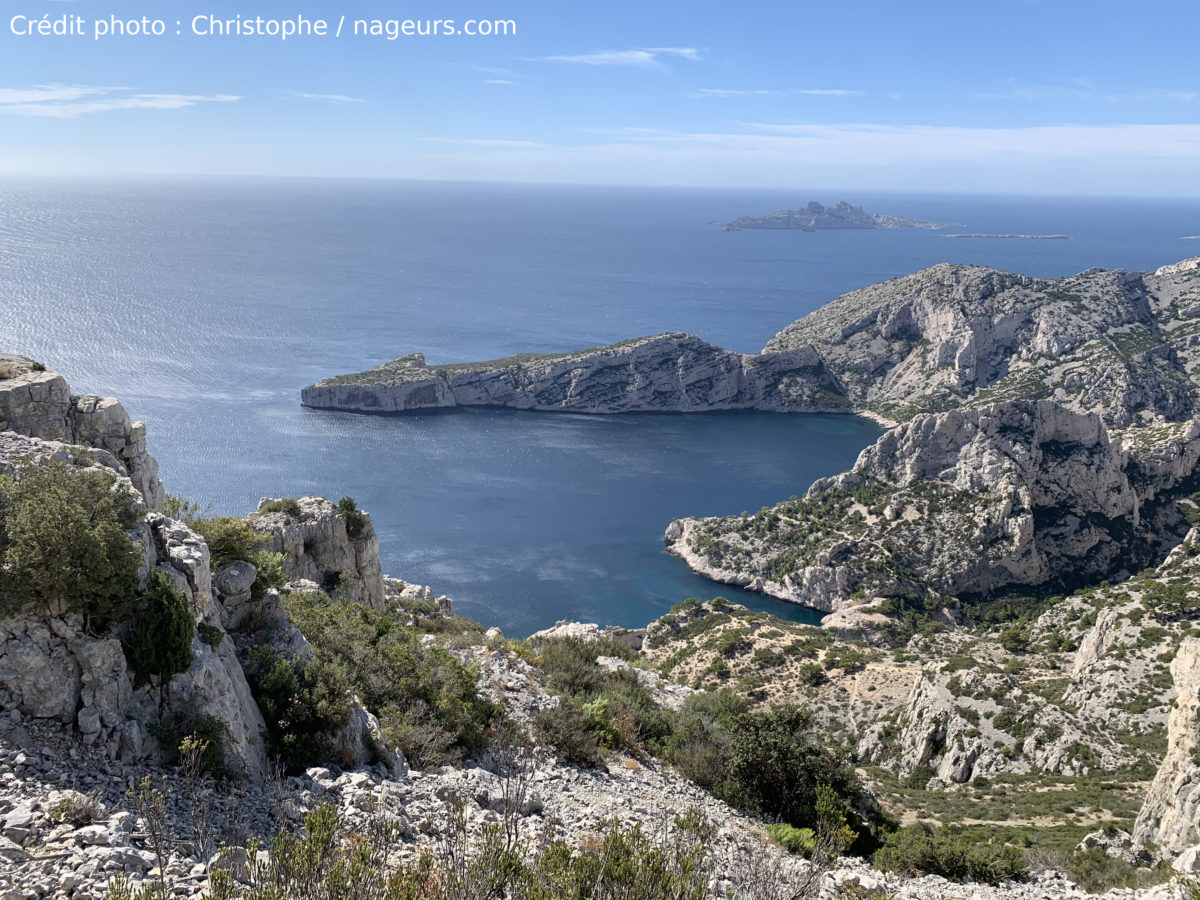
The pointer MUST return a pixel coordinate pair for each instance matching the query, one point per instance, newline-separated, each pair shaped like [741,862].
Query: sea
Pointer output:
[205,305]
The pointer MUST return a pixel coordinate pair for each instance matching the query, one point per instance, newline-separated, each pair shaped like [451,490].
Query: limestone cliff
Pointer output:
[1122,344]
[665,373]
[38,403]
[957,503]
[1170,817]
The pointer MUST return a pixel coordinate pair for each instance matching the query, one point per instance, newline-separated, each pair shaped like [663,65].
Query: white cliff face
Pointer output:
[1115,343]
[670,372]
[955,503]
[40,405]
[317,547]
[1170,817]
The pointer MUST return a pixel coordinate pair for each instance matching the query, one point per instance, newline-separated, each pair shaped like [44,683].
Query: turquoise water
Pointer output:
[206,306]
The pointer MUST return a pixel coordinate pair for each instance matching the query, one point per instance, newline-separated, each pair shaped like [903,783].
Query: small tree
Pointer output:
[161,643]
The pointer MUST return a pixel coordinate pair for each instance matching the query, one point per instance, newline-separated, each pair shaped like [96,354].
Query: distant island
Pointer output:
[816,217]
[1023,237]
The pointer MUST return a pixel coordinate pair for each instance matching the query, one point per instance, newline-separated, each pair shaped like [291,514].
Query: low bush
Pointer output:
[303,706]
[230,540]
[210,634]
[794,840]
[916,850]
[202,737]
[288,506]
[271,574]
[76,809]
[570,730]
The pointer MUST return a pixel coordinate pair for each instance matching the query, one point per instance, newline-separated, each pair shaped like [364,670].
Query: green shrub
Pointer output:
[271,573]
[37,367]
[1014,640]
[794,840]
[287,506]
[355,518]
[230,540]
[423,696]
[916,850]
[1097,872]
[210,634]
[203,735]
[777,763]
[161,640]
[176,507]
[62,539]
[302,706]
[569,729]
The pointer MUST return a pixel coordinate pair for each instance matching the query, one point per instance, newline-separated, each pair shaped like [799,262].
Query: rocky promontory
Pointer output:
[1125,345]
[817,217]
[672,372]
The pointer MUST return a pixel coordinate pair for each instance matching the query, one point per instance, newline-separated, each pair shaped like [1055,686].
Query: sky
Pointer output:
[1010,96]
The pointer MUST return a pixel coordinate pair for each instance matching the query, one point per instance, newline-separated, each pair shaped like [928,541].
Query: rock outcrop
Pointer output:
[1170,817]
[37,403]
[953,504]
[53,667]
[318,546]
[664,373]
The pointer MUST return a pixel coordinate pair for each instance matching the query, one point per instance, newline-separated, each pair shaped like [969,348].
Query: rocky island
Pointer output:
[839,217]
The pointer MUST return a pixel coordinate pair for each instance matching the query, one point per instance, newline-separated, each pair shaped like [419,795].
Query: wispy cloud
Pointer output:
[50,93]
[324,98]
[498,81]
[645,57]
[70,101]
[828,92]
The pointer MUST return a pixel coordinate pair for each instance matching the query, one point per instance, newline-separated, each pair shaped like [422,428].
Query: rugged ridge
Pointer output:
[673,372]
[956,503]
[1122,344]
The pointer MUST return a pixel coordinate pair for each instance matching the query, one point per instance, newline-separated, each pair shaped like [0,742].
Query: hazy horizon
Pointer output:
[1019,97]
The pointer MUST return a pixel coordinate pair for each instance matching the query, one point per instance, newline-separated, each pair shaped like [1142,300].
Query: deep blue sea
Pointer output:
[205,305]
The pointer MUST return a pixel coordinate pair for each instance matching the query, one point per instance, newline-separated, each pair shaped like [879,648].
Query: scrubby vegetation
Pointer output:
[63,540]
[774,763]
[289,506]
[922,850]
[354,518]
[425,699]
[230,540]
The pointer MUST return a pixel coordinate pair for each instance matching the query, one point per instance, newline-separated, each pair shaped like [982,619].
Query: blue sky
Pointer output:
[976,95]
